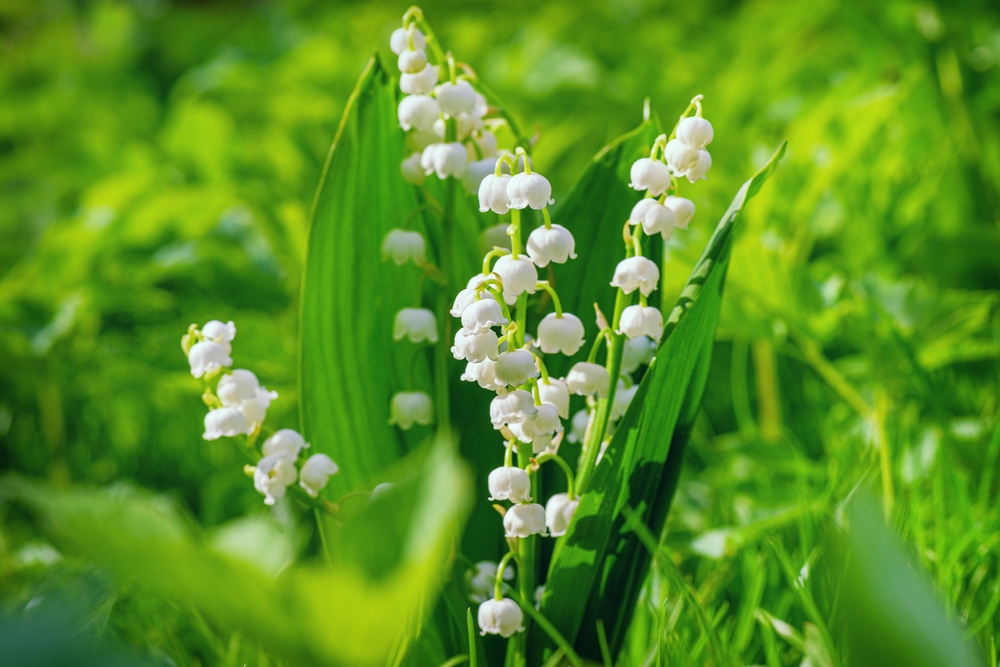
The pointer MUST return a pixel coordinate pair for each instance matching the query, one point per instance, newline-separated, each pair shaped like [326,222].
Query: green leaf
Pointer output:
[598,568]
[350,366]
[312,614]
[891,613]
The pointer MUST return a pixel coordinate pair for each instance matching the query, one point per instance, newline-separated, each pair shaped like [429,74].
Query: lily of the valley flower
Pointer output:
[493,194]
[556,392]
[500,617]
[411,407]
[641,321]
[637,352]
[680,156]
[219,332]
[444,160]
[551,244]
[512,407]
[510,483]
[654,217]
[404,246]
[700,168]
[481,315]
[475,346]
[587,379]
[236,387]
[651,175]
[316,472]
[525,520]
[456,98]
[695,132]
[515,367]
[399,41]
[559,512]
[255,407]
[412,171]
[415,324]
[545,424]
[483,373]
[273,475]
[418,111]
[420,83]
[578,427]
[412,61]
[285,442]
[529,190]
[208,357]
[560,334]
[466,298]
[623,399]
[476,172]
[635,273]
[683,210]
[519,275]
[480,580]
[226,422]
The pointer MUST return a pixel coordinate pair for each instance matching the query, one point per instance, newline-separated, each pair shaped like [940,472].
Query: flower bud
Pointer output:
[416,324]
[545,424]
[412,61]
[518,275]
[529,190]
[512,407]
[421,83]
[635,273]
[475,346]
[477,171]
[399,41]
[226,422]
[217,332]
[556,392]
[456,98]
[207,357]
[316,472]
[525,520]
[695,132]
[683,210]
[654,217]
[651,175]
[493,194]
[586,379]
[411,169]
[623,399]
[444,160]
[641,321]
[554,244]
[700,169]
[237,387]
[500,617]
[558,513]
[560,334]
[481,315]
[515,367]
[483,373]
[404,246]
[680,156]
[637,352]
[419,111]
[578,427]
[510,483]
[411,407]
[255,407]
[285,442]
[273,475]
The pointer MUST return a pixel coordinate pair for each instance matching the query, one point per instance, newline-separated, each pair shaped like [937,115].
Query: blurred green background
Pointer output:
[158,161]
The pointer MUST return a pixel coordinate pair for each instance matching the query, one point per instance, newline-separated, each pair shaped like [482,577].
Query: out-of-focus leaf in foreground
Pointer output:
[315,615]
[600,558]
[891,614]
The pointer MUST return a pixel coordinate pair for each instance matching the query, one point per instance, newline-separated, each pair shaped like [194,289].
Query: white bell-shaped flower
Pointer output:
[500,617]
[480,315]
[226,422]
[680,156]
[236,387]
[466,298]
[545,425]
[695,132]
[285,442]
[456,98]
[412,61]
[493,194]
[519,275]
[510,483]
[273,475]
[255,407]
[419,111]
[700,169]
[475,347]
[487,143]
[512,407]
[411,169]
[559,512]
[525,520]
[637,352]
[404,246]
[399,41]
[560,334]
[636,273]
[587,379]
[476,171]
[219,332]
[641,321]
[515,367]
[654,217]
[651,175]
[683,210]
[444,160]
[417,140]
[483,373]
[411,407]
[415,324]
[578,427]
[207,357]
[551,244]
[481,579]
[316,472]
[421,83]
[529,190]
[555,391]
[465,125]
[623,399]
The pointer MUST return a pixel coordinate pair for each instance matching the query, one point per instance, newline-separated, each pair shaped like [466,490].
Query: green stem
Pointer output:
[498,585]
[508,458]
[496,252]
[441,353]
[547,217]
[526,546]
[549,456]
[556,303]
[592,357]
[515,232]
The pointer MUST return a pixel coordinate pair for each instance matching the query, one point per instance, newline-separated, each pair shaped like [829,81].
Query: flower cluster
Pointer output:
[238,407]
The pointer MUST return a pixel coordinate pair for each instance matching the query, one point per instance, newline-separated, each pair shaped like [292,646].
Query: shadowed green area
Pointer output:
[158,162]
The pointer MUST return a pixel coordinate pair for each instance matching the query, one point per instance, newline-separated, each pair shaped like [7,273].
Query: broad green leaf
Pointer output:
[891,613]
[600,557]
[313,614]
